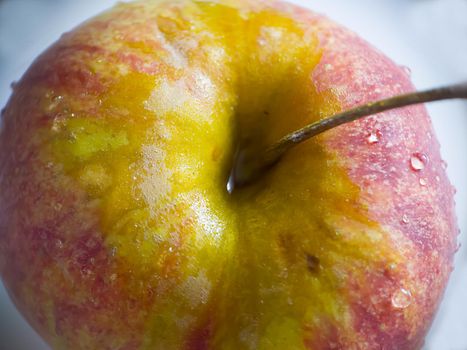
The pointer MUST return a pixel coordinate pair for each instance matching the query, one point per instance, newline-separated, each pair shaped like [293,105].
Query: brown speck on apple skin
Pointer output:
[312,263]
[216,154]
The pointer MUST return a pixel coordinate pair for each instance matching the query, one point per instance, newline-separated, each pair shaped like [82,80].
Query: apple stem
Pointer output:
[249,166]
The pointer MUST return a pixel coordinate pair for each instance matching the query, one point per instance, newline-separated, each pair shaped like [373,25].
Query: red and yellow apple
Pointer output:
[116,229]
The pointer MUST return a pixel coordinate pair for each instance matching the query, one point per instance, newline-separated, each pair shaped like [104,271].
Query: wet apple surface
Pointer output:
[119,233]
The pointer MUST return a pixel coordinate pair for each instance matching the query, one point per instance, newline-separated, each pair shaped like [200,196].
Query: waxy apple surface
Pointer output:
[116,229]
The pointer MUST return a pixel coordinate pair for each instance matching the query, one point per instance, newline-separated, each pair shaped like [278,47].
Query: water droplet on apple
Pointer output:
[171,249]
[401,299]
[13,85]
[230,184]
[56,125]
[422,181]
[119,37]
[418,161]
[57,206]
[59,243]
[458,246]
[405,219]
[374,137]
[113,251]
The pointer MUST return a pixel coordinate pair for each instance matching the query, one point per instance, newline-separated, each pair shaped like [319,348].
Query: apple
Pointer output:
[116,227]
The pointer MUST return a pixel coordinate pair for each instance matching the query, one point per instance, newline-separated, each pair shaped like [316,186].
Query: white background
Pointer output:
[429,36]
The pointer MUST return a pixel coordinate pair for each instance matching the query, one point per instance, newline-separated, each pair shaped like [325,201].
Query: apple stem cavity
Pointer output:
[249,165]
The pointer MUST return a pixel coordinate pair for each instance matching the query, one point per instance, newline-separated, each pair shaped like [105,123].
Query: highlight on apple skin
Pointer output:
[116,229]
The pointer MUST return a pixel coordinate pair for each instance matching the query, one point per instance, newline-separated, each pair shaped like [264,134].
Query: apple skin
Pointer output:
[116,231]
